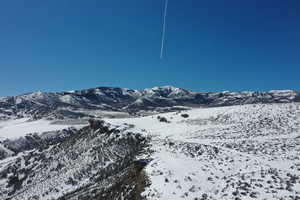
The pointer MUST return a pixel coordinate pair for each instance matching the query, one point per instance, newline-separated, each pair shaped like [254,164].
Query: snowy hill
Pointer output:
[97,156]
[237,152]
[215,146]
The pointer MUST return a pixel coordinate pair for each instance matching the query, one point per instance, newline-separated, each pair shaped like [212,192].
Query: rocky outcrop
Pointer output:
[95,163]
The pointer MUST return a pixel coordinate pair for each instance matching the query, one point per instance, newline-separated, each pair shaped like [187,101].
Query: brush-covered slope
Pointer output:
[90,163]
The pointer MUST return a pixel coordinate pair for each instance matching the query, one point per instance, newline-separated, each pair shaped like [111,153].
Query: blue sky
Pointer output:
[57,45]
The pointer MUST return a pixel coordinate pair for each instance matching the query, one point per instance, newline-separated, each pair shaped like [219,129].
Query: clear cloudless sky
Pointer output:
[211,45]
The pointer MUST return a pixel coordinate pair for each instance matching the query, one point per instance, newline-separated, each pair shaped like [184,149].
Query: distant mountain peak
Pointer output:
[81,103]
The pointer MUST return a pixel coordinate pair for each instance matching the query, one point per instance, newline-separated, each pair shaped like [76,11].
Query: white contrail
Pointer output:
[164,30]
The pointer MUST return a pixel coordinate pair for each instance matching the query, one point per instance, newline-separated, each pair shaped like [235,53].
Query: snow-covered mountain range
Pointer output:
[83,103]
[163,143]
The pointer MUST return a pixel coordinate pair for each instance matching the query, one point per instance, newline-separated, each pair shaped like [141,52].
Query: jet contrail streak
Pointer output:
[164,30]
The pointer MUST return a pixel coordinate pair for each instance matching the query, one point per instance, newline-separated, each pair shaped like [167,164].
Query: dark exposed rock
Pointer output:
[96,124]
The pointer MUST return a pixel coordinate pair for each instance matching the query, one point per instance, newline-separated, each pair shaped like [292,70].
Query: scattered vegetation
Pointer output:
[184,115]
[162,119]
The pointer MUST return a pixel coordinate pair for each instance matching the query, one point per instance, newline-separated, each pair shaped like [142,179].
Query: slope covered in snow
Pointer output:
[237,152]
[12,129]
[91,162]
[234,152]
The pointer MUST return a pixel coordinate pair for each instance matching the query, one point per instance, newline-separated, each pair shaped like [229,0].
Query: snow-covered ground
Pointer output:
[15,128]
[237,152]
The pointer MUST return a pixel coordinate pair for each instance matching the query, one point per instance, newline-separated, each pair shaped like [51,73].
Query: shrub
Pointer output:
[162,119]
[184,115]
